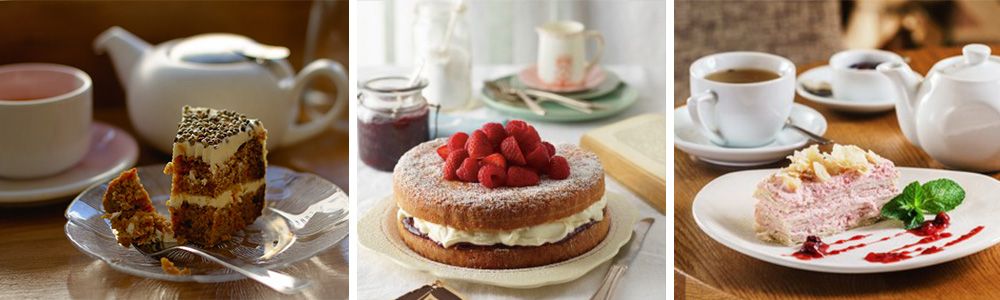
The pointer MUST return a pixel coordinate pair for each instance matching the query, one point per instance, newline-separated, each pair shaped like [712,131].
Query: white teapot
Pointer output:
[954,113]
[222,71]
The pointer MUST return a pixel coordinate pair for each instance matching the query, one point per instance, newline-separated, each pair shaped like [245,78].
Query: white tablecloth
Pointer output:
[380,278]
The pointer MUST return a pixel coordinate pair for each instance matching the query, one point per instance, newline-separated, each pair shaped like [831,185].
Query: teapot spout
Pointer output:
[125,50]
[907,83]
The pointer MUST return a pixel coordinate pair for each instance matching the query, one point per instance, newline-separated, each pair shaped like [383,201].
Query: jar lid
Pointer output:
[975,64]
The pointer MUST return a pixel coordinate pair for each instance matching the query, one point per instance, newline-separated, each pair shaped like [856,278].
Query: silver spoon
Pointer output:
[812,136]
[276,280]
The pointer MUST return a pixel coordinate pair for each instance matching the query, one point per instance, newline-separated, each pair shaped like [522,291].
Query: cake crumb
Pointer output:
[169,268]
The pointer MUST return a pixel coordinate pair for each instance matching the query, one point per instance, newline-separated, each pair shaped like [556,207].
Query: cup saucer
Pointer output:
[688,138]
[824,74]
[593,78]
[112,150]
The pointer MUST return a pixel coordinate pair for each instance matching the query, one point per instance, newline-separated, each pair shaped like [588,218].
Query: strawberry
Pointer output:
[492,176]
[457,140]
[443,152]
[495,132]
[559,168]
[469,171]
[520,176]
[511,151]
[552,149]
[495,159]
[454,161]
[479,145]
[538,158]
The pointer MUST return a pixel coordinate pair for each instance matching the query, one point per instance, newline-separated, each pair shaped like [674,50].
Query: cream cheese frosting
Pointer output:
[213,135]
[227,197]
[526,236]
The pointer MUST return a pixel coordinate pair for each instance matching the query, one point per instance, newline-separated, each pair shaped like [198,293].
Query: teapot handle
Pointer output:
[320,67]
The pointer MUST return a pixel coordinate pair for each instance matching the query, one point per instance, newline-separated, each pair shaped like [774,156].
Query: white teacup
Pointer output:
[863,85]
[45,117]
[562,59]
[741,114]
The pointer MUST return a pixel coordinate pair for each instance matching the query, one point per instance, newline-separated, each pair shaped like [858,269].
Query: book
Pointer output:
[634,151]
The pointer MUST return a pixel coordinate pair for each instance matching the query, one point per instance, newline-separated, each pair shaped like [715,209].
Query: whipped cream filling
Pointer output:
[526,236]
[231,195]
[215,155]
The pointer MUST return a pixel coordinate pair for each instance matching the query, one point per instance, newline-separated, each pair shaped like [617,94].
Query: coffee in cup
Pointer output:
[45,117]
[741,99]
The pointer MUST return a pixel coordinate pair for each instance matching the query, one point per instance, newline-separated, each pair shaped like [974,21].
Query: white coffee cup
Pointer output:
[863,85]
[741,114]
[562,59]
[45,117]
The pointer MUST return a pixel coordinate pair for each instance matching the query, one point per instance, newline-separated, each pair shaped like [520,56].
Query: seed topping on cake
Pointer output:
[212,127]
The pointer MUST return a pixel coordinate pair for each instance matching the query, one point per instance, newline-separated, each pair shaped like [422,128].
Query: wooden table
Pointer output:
[705,269]
[37,261]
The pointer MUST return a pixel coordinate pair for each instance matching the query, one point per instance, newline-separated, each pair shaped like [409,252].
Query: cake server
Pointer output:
[278,281]
[620,263]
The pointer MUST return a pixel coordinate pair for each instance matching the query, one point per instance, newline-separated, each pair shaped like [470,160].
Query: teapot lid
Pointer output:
[975,64]
[221,48]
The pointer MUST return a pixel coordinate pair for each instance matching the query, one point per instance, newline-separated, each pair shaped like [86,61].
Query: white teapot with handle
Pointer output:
[953,113]
[222,71]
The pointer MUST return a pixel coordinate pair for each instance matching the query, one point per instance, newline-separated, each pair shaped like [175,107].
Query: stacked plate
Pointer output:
[600,87]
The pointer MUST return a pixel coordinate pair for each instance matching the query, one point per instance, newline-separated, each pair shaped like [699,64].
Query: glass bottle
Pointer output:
[447,60]
[392,118]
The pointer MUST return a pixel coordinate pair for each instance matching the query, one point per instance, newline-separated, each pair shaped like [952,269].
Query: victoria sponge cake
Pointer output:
[823,194]
[516,213]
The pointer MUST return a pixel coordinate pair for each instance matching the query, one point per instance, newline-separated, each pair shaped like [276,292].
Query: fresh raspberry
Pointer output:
[559,168]
[511,151]
[469,170]
[443,152]
[495,132]
[495,159]
[479,145]
[528,139]
[454,161]
[520,176]
[552,149]
[512,124]
[538,158]
[457,140]
[492,176]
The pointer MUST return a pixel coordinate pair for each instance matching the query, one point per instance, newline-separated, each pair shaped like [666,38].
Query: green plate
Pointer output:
[620,99]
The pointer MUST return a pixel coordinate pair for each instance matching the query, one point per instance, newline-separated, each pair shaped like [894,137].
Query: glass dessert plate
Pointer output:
[271,242]
[377,232]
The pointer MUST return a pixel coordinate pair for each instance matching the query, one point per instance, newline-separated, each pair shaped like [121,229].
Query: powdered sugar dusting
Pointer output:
[420,169]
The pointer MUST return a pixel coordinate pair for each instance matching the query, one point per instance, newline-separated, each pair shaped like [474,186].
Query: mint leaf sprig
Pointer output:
[933,197]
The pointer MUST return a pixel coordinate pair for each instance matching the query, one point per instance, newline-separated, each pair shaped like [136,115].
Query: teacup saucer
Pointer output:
[689,139]
[593,78]
[825,74]
[112,150]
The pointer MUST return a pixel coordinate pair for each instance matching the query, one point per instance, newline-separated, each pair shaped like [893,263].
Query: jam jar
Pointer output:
[392,118]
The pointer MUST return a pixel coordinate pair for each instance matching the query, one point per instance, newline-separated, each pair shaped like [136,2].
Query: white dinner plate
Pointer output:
[377,231]
[825,74]
[724,210]
[689,139]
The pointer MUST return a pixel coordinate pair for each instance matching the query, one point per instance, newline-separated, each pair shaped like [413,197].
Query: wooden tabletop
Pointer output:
[37,261]
[705,267]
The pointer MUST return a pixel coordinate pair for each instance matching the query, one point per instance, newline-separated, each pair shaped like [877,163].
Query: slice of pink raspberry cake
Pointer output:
[823,194]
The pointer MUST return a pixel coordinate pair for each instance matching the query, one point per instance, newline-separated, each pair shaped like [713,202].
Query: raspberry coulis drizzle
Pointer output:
[932,231]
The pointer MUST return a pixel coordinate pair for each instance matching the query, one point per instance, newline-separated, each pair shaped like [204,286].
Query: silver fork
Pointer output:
[335,206]
[276,280]
[503,91]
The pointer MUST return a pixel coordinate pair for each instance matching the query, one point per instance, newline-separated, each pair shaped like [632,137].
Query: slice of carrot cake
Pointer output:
[133,219]
[218,167]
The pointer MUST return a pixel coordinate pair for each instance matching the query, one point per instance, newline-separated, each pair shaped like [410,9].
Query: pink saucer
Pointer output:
[112,150]
[529,76]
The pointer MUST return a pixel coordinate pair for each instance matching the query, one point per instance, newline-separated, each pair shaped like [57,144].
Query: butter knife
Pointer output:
[622,260]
